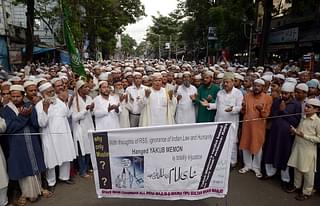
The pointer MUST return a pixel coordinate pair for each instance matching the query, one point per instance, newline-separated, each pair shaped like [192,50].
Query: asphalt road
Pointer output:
[244,190]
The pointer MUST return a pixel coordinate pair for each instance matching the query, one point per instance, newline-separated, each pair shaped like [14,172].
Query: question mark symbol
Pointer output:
[105,180]
[103,163]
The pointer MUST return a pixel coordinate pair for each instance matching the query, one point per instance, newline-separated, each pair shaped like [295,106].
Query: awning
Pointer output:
[39,50]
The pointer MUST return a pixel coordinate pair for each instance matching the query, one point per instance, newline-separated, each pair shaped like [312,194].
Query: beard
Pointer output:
[119,91]
[53,99]
[186,83]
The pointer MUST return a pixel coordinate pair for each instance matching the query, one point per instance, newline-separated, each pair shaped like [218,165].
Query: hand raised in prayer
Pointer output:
[204,102]
[90,107]
[46,104]
[170,93]
[229,109]
[193,97]
[209,98]
[36,99]
[179,97]
[25,111]
[124,97]
[296,132]
[259,107]
[282,106]
[147,92]
[113,107]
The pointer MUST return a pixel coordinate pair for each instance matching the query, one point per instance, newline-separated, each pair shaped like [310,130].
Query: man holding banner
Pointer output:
[228,106]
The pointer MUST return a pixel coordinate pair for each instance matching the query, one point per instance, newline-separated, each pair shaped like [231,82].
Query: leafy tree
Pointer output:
[96,19]
[141,49]
[128,45]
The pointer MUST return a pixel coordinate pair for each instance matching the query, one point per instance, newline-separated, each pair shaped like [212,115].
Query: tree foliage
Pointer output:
[128,45]
[98,20]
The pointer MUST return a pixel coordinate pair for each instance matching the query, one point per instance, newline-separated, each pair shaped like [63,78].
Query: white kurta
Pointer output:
[225,100]
[158,109]
[3,167]
[57,141]
[135,97]
[81,123]
[185,112]
[104,119]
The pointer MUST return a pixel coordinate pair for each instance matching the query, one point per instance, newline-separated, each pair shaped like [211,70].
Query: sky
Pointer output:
[138,30]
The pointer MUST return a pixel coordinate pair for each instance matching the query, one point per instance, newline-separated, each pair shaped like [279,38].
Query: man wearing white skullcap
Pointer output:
[185,108]
[197,80]
[158,104]
[278,147]
[57,140]
[31,92]
[82,122]
[135,97]
[301,94]
[303,157]
[228,107]
[207,91]
[256,105]
[107,108]
[25,158]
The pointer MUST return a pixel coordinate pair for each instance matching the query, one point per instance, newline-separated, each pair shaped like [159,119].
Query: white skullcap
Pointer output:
[259,81]
[267,78]
[198,77]
[238,76]
[16,87]
[29,83]
[268,73]
[231,69]
[54,80]
[157,75]
[179,75]
[288,87]
[80,83]
[186,73]
[127,69]
[137,74]
[279,76]
[291,80]
[257,73]
[6,83]
[284,71]
[103,76]
[63,77]
[15,79]
[102,82]
[145,77]
[127,74]
[63,69]
[314,102]
[220,76]
[302,86]
[44,87]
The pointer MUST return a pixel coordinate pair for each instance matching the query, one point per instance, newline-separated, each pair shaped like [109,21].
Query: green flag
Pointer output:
[76,64]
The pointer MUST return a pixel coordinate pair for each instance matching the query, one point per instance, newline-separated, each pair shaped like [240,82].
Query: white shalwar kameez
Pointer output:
[185,112]
[224,101]
[158,109]
[57,141]
[82,123]
[104,119]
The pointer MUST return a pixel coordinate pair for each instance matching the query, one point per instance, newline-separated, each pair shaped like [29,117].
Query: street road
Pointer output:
[244,190]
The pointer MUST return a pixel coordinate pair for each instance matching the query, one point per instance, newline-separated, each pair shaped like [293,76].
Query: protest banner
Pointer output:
[165,162]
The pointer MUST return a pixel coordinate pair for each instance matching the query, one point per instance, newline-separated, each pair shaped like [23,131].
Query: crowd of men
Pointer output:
[47,113]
